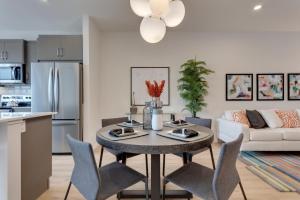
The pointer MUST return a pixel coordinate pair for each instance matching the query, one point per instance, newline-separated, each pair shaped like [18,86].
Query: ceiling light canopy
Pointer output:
[257,7]
[157,15]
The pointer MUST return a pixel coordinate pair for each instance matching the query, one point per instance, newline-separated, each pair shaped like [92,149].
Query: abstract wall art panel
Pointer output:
[294,86]
[270,87]
[239,87]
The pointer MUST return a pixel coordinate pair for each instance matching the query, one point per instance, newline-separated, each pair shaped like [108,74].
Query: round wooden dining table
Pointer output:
[155,145]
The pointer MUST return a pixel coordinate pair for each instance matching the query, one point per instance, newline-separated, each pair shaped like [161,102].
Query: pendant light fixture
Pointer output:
[176,14]
[141,7]
[157,14]
[159,7]
[152,29]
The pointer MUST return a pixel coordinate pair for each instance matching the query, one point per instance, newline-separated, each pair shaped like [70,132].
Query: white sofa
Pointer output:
[267,139]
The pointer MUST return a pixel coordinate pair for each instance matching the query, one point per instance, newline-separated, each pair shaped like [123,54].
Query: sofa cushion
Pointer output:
[271,118]
[298,111]
[291,134]
[266,134]
[255,119]
[289,119]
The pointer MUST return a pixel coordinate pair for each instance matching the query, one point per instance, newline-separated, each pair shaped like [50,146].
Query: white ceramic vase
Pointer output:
[157,119]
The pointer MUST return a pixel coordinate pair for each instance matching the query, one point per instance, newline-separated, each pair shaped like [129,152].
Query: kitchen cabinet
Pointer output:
[12,51]
[59,48]
[31,56]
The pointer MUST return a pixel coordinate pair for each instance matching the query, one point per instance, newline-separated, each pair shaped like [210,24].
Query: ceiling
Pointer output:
[116,15]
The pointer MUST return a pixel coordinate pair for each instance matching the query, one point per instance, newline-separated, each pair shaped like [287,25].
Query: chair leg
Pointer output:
[164,190]
[243,191]
[147,189]
[124,158]
[68,190]
[164,165]
[147,171]
[101,156]
[212,157]
[190,157]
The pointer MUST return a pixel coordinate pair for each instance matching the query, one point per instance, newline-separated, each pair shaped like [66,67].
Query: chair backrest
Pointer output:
[85,176]
[111,121]
[226,176]
[199,121]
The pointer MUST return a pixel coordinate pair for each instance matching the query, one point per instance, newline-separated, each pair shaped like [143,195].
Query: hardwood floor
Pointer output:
[255,188]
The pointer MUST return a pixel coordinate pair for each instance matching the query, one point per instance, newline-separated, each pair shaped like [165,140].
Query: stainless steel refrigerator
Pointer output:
[57,87]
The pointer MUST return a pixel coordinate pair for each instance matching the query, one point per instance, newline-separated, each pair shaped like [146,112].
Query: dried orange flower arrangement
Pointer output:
[155,89]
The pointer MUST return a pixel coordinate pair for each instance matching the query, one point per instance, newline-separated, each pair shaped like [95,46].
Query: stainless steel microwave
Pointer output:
[12,73]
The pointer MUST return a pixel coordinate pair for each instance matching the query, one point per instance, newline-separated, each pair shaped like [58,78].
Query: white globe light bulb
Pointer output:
[159,7]
[152,29]
[141,7]
[176,13]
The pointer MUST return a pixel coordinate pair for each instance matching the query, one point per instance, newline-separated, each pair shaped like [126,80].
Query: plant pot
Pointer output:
[199,121]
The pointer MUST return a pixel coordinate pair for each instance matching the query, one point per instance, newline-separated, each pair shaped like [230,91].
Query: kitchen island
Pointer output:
[25,155]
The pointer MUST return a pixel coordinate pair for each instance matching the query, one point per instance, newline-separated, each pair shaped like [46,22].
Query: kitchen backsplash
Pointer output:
[16,90]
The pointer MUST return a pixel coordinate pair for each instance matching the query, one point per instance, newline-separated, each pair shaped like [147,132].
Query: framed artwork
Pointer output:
[239,87]
[270,87]
[294,86]
[139,75]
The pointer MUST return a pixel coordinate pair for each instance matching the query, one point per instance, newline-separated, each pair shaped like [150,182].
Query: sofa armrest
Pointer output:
[230,130]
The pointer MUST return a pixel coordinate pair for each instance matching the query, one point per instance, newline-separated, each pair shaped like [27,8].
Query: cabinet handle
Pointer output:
[62,52]
[57,52]
[6,55]
[1,56]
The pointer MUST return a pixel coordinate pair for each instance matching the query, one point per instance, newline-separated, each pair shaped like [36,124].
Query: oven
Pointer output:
[12,73]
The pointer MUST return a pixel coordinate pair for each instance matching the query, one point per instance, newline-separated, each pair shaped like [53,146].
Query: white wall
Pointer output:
[223,52]
[91,67]
[15,90]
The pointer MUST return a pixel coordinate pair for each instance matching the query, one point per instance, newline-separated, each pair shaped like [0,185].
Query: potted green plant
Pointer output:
[193,85]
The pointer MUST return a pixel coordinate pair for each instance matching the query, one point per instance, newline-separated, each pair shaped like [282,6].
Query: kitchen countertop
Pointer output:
[15,116]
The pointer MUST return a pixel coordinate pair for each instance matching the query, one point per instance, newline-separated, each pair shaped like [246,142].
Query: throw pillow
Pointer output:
[255,119]
[241,117]
[271,118]
[290,119]
[228,115]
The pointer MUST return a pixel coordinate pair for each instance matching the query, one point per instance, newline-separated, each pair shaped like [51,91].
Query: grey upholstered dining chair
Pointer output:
[188,156]
[99,183]
[211,184]
[120,156]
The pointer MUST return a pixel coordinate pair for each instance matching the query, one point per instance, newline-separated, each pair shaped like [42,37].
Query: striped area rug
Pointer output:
[280,170]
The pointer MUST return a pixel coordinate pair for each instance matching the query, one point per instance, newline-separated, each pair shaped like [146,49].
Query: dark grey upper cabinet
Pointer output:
[31,56]
[2,50]
[12,51]
[59,47]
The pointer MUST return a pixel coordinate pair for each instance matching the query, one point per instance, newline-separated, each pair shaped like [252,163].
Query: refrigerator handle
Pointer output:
[56,90]
[50,89]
